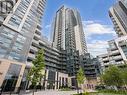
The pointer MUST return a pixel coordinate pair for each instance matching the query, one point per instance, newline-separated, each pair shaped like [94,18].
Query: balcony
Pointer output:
[117,57]
[115,52]
[38,30]
[105,59]
[14,1]
[35,41]
[51,60]
[89,68]
[90,73]
[36,35]
[122,43]
[34,48]
[120,63]
[106,64]
[31,55]
[52,65]
[1,19]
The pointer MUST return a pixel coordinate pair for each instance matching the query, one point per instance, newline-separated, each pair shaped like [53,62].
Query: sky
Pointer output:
[97,25]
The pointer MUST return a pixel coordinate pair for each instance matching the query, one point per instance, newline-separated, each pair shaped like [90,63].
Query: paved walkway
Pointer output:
[52,92]
[49,92]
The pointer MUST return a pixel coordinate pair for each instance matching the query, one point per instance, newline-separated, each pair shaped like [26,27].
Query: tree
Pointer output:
[35,73]
[112,76]
[124,76]
[80,77]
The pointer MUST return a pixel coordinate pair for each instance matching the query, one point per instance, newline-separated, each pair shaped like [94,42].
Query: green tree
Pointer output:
[35,74]
[112,76]
[124,76]
[80,77]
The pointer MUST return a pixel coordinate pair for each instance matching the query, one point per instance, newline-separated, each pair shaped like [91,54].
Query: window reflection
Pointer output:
[2,52]
[11,77]
[15,56]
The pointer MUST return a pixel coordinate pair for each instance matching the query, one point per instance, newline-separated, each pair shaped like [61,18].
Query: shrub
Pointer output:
[66,89]
[113,91]
[31,87]
[86,93]
[100,87]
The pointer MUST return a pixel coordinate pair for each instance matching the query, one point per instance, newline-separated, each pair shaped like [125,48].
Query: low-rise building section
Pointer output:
[91,67]
[117,53]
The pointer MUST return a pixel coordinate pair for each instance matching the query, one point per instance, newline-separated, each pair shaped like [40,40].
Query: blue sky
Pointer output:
[98,28]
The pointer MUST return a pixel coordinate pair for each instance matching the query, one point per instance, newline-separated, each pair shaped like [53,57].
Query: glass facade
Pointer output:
[6,36]
[12,44]
[124,48]
[15,56]
[112,45]
[17,17]
[17,35]
[31,19]
[2,52]
[51,80]
[11,77]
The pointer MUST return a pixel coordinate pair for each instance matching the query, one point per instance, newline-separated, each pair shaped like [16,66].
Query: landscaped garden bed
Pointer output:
[105,92]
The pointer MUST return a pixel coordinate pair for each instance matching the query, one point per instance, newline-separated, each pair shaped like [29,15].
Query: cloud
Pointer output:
[46,31]
[48,26]
[97,47]
[96,28]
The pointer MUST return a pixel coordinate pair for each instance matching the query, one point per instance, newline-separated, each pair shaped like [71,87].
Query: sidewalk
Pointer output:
[48,92]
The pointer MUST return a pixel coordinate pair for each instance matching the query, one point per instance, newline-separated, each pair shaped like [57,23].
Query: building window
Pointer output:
[21,39]
[51,80]
[66,82]
[59,81]
[124,48]
[18,46]
[112,45]
[11,77]
[63,82]
[8,33]
[2,52]
[14,56]
[5,41]
[15,21]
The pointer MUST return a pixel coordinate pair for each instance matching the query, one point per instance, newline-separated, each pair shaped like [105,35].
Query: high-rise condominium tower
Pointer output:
[118,15]
[68,30]
[17,31]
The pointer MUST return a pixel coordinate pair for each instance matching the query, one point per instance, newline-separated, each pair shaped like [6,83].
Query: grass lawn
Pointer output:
[105,94]
[65,89]
[101,94]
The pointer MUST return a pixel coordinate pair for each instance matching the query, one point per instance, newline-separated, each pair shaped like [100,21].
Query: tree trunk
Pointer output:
[77,89]
[81,89]
[34,89]
[33,92]
[125,86]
